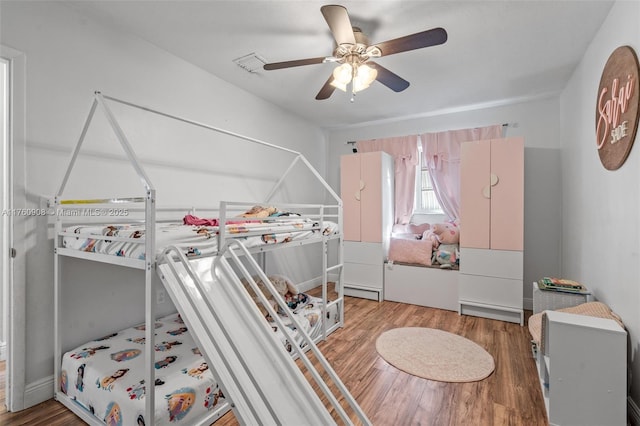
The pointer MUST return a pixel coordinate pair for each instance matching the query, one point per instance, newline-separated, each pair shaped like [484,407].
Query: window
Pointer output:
[426,201]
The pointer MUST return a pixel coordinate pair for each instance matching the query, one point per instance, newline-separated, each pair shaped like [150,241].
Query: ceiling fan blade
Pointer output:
[327,90]
[296,63]
[391,80]
[339,23]
[426,38]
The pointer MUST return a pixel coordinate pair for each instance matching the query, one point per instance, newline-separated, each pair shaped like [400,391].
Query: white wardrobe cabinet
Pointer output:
[366,187]
[492,229]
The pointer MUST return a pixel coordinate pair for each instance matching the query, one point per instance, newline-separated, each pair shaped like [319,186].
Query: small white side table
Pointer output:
[552,300]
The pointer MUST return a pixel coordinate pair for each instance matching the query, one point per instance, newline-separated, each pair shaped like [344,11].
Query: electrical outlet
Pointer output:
[161,296]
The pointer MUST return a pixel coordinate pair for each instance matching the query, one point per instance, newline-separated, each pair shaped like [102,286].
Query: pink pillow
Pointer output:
[410,228]
[410,251]
[418,228]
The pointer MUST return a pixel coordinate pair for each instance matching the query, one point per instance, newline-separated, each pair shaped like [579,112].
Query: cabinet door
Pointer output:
[492,194]
[350,194]
[371,197]
[475,202]
[507,195]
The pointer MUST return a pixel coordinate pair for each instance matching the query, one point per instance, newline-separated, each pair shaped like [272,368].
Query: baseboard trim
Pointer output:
[634,412]
[38,391]
[315,282]
[3,351]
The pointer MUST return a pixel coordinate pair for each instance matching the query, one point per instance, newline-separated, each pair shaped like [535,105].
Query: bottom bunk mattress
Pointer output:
[106,376]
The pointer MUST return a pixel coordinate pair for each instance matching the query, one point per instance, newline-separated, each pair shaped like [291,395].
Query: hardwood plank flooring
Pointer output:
[510,396]
[48,413]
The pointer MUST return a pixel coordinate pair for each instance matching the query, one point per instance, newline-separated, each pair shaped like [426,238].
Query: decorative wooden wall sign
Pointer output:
[618,107]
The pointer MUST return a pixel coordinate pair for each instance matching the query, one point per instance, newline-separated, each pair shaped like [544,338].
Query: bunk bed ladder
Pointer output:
[251,365]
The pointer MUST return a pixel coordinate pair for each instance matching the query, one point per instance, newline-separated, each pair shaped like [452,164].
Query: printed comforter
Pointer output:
[106,376]
[251,233]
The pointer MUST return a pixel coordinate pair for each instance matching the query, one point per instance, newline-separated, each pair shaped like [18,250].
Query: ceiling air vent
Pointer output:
[250,63]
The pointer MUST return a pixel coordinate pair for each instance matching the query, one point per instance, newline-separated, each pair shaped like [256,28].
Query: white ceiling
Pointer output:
[496,52]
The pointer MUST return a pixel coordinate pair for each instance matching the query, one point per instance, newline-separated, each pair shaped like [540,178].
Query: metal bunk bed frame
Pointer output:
[64,209]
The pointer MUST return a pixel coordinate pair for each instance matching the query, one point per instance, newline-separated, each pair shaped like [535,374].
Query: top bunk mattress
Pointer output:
[128,239]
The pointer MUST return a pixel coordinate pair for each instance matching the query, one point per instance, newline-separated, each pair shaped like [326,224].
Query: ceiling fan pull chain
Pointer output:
[354,72]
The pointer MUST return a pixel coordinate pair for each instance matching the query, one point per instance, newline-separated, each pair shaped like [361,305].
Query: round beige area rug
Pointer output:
[435,354]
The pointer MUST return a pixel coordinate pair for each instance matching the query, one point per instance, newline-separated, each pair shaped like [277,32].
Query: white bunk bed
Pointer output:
[74,233]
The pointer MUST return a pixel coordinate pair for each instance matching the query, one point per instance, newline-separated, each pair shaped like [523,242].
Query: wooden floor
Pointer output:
[510,396]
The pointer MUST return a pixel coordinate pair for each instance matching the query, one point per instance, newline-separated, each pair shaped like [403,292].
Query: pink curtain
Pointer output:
[404,150]
[441,155]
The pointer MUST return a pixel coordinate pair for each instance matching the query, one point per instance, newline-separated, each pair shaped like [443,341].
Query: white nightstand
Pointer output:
[552,300]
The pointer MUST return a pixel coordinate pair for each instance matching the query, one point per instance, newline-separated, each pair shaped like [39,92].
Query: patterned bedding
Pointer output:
[106,376]
[251,233]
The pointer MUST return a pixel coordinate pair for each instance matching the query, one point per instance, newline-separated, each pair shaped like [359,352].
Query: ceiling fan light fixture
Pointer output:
[366,74]
[343,74]
[359,85]
[359,75]
[338,85]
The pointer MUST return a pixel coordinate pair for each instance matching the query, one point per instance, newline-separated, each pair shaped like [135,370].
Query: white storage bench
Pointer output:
[421,285]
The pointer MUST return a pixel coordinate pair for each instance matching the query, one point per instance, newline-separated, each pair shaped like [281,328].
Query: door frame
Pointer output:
[5,221]
[15,314]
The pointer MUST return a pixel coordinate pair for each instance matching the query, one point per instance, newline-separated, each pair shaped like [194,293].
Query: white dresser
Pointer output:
[490,284]
[364,270]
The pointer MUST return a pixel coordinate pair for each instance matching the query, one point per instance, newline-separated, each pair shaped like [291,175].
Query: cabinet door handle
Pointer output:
[486,191]
[362,185]
[493,181]
[357,195]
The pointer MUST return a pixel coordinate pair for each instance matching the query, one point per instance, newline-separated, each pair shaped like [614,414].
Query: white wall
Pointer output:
[601,210]
[68,58]
[538,122]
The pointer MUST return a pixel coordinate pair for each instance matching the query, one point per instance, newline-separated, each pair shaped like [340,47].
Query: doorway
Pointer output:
[12,249]
[4,204]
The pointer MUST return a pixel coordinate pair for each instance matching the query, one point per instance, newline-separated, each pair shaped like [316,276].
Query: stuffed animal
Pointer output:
[283,285]
[429,235]
[259,212]
[447,232]
[446,255]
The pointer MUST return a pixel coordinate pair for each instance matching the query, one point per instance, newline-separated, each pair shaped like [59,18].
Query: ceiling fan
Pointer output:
[354,55]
